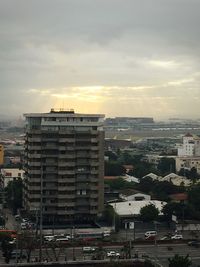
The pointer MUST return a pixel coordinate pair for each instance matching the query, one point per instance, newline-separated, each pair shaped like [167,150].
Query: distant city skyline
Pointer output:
[118,58]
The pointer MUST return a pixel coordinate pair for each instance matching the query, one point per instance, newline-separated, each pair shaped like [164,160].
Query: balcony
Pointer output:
[83,162]
[67,156]
[94,163]
[65,172]
[65,212]
[66,180]
[66,163]
[33,187]
[50,163]
[31,195]
[34,139]
[94,148]
[66,140]
[71,196]
[50,171]
[50,146]
[34,164]
[94,172]
[49,139]
[94,156]
[94,140]
[66,188]
[32,147]
[34,156]
[82,155]
[34,171]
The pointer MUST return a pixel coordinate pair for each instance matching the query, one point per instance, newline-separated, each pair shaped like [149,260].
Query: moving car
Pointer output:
[177,237]
[113,254]
[88,249]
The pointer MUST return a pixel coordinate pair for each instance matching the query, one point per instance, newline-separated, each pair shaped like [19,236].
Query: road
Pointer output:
[159,253]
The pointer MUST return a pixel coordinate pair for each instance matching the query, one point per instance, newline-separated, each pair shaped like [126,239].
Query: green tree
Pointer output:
[166,166]
[146,185]
[149,213]
[180,261]
[111,217]
[118,183]
[113,168]
[181,210]
[14,194]
[194,197]
[112,155]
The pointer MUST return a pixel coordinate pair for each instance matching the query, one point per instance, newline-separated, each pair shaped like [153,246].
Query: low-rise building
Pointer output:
[131,209]
[188,163]
[8,175]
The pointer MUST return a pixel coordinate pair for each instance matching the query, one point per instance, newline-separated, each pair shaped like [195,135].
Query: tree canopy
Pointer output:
[14,194]
[149,213]
[180,261]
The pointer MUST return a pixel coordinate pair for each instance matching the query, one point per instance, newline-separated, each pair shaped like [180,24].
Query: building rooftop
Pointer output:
[133,208]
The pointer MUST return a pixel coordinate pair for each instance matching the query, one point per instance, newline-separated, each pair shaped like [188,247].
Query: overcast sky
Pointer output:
[117,57]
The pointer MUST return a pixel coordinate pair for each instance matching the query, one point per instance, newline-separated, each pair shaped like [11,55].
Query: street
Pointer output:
[159,253]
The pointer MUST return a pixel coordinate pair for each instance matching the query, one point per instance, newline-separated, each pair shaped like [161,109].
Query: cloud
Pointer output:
[116,57]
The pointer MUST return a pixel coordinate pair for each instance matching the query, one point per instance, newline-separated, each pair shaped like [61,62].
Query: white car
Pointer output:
[88,249]
[177,237]
[113,254]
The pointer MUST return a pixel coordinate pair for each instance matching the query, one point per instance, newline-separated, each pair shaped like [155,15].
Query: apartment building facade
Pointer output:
[189,153]
[64,165]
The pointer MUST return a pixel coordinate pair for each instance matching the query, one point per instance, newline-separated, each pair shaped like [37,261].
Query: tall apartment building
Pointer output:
[64,165]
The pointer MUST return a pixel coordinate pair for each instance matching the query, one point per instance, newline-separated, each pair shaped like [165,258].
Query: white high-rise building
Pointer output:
[190,147]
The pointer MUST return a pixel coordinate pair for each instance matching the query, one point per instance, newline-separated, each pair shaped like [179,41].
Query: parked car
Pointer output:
[88,249]
[177,237]
[113,254]
[194,243]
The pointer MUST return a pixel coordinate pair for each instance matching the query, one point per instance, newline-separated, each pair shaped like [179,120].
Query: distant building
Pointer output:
[190,146]
[189,153]
[116,144]
[128,121]
[188,163]
[8,175]
[155,159]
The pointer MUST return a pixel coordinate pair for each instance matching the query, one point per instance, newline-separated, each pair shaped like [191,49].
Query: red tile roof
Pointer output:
[179,196]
